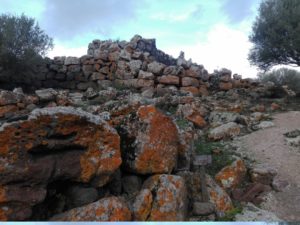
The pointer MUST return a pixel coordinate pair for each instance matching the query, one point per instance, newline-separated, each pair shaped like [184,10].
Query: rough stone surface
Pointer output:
[169,79]
[262,174]
[227,130]
[252,213]
[218,196]
[106,209]
[46,94]
[149,142]
[203,208]
[163,198]
[231,176]
[59,143]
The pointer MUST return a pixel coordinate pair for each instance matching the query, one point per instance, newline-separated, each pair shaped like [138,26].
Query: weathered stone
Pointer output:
[8,109]
[87,70]
[59,143]
[142,205]
[263,125]
[252,213]
[148,92]
[125,55]
[71,61]
[149,142]
[163,198]
[135,66]
[275,106]
[145,75]
[262,174]
[79,195]
[106,209]
[231,176]
[203,90]
[142,83]
[156,67]
[193,90]
[192,73]
[227,130]
[197,119]
[218,196]
[217,118]
[9,97]
[46,94]
[189,81]
[97,76]
[225,86]
[168,79]
[203,208]
[279,184]
[131,184]
[85,85]
[90,93]
[252,193]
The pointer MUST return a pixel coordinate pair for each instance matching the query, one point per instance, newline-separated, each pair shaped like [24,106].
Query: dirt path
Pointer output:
[268,147]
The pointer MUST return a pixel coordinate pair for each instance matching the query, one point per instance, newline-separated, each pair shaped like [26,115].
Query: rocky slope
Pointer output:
[116,134]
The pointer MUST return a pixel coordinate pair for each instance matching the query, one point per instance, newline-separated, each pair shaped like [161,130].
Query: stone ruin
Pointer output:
[112,136]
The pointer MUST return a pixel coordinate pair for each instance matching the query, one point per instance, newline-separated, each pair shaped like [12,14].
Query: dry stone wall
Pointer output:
[135,64]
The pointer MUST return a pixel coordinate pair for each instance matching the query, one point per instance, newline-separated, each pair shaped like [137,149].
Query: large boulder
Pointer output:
[227,130]
[162,198]
[149,141]
[232,175]
[106,209]
[53,144]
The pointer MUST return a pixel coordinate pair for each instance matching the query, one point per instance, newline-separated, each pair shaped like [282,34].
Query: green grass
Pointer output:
[182,123]
[219,161]
[230,215]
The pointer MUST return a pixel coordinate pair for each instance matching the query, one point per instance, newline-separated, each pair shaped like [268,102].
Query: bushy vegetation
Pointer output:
[276,34]
[22,44]
[283,76]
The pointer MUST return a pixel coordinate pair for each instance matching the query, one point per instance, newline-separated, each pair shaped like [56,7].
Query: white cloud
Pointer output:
[60,50]
[224,47]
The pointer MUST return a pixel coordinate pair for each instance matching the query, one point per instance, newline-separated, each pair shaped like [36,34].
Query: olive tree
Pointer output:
[276,34]
[22,43]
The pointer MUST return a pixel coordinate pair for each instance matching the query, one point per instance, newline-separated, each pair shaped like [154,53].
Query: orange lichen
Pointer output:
[197,119]
[159,149]
[7,109]
[230,176]
[2,194]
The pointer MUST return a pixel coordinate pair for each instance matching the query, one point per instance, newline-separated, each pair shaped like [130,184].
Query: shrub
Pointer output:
[283,76]
[22,44]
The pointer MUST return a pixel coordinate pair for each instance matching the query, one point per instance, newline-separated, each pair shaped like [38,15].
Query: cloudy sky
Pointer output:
[213,33]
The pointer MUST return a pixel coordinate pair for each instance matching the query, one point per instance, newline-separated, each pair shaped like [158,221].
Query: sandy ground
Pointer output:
[268,147]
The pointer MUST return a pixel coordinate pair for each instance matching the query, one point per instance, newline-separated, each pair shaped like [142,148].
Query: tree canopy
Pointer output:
[276,34]
[22,42]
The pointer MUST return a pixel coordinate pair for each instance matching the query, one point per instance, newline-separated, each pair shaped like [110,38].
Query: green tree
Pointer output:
[283,76]
[22,43]
[276,34]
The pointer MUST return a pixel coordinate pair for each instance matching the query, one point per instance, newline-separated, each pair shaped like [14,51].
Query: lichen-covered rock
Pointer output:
[149,141]
[169,79]
[252,213]
[46,94]
[106,209]
[225,86]
[9,98]
[197,119]
[218,196]
[227,130]
[7,109]
[232,175]
[262,174]
[163,198]
[59,143]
